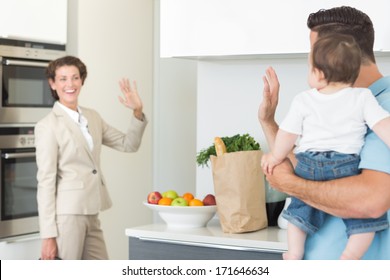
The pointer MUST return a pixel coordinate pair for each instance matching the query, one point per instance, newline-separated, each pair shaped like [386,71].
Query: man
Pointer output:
[365,195]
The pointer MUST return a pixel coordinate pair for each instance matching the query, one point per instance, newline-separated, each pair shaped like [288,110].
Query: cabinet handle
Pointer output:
[25,63]
[18,155]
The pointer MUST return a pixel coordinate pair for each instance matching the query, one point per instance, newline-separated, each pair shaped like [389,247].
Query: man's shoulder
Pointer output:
[381,89]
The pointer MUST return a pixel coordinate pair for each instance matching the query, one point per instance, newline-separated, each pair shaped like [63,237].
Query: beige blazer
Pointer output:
[70,180]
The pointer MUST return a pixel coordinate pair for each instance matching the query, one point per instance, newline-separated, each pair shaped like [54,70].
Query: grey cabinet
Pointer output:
[149,249]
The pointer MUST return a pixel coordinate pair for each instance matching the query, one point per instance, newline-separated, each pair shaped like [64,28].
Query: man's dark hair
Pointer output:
[349,21]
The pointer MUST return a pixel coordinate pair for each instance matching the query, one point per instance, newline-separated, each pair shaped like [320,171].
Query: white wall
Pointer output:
[229,94]
[115,39]
[175,126]
[174,121]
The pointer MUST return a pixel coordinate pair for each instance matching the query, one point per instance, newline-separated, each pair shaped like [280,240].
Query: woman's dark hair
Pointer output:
[338,56]
[68,61]
[349,21]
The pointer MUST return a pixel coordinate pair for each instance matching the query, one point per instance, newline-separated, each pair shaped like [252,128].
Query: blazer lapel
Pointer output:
[73,128]
[92,129]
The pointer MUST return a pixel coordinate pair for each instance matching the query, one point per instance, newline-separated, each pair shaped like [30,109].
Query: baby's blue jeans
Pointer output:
[322,166]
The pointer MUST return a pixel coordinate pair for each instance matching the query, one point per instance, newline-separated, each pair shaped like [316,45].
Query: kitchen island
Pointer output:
[159,242]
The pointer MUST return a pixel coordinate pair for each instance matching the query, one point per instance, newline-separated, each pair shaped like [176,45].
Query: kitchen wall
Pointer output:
[115,39]
[175,111]
[175,125]
[229,94]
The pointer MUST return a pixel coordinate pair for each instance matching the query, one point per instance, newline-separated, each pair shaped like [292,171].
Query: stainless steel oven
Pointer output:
[18,170]
[25,92]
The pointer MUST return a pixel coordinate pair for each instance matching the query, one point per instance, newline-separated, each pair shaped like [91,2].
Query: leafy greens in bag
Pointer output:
[235,143]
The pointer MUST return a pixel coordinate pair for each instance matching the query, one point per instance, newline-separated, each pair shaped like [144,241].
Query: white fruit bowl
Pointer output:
[184,216]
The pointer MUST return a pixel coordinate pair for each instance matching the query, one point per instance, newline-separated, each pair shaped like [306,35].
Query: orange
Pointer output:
[195,202]
[165,201]
[188,197]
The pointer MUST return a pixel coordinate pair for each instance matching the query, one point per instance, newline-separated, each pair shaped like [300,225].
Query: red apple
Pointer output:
[154,197]
[209,200]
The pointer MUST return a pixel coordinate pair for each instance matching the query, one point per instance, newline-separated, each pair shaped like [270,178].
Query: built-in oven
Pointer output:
[18,171]
[25,92]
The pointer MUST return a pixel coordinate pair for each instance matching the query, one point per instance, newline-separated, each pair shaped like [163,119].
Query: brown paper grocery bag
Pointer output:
[239,191]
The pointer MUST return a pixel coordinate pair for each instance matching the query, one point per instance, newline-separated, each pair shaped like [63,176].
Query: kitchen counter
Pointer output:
[157,241]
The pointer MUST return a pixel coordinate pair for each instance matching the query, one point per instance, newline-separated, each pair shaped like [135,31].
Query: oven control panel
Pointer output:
[17,137]
[27,140]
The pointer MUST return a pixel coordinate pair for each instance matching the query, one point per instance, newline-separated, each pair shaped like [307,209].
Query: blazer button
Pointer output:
[94,171]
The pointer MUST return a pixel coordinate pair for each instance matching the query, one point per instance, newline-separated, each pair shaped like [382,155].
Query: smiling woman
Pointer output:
[67,82]
[71,187]
[66,76]
[67,86]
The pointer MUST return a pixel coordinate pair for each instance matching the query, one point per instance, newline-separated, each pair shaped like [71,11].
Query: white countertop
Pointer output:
[268,239]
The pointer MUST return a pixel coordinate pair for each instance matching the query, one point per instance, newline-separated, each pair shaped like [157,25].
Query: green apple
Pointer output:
[170,194]
[179,201]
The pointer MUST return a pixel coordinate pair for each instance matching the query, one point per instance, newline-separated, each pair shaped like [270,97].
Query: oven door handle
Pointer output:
[18,155]
[25,63]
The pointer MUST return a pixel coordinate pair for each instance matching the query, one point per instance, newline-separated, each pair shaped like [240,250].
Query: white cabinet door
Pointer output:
[35,20]
[248,27]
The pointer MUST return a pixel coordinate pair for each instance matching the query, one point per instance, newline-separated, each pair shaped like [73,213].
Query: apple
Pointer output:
[154,197]
[170,194]
[179,201]
[209,200]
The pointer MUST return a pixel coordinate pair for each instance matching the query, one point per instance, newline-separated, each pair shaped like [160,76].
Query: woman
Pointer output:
[71,186]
